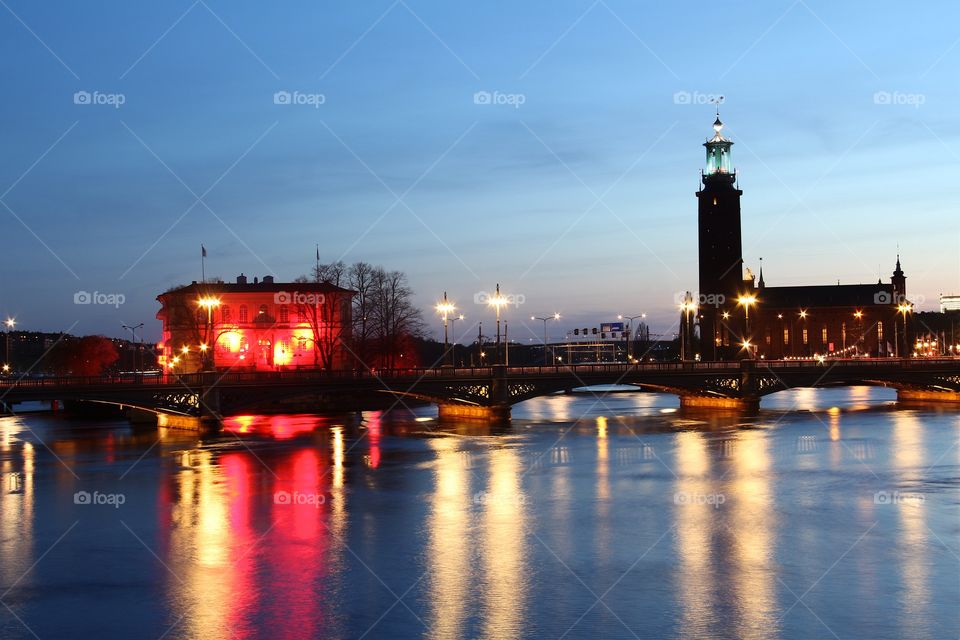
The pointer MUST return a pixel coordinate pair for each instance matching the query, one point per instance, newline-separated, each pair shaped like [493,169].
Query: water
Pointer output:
[622,518]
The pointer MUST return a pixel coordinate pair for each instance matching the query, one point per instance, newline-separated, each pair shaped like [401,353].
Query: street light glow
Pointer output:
[11,323]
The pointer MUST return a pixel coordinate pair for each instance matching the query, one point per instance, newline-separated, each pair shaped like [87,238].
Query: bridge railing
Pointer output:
[254,377]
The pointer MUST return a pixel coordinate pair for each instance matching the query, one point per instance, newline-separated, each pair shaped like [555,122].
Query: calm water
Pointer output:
[623,518]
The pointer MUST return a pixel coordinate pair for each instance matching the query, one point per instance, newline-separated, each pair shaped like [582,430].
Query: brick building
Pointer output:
[254,326]
[739,316]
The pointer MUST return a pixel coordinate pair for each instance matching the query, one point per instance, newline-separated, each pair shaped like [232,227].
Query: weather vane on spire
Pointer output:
[717,101]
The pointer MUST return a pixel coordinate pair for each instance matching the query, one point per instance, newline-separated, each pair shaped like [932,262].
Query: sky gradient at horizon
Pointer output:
[572,187]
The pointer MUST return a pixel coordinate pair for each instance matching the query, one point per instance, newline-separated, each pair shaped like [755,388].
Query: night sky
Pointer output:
[553,147]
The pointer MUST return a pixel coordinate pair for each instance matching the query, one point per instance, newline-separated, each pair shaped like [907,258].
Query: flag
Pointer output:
[203,251]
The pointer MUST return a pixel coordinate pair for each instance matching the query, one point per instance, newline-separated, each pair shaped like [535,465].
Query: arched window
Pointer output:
[243,313]
[225,313]
[263,310]
[284,313]
[301,313]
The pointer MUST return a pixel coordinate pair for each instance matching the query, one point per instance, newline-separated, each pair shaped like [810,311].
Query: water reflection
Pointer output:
[17,502]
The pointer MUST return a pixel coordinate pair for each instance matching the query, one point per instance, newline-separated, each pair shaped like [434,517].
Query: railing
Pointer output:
[250,377]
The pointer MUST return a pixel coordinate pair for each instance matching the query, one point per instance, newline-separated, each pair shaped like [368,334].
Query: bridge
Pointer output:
[489,392]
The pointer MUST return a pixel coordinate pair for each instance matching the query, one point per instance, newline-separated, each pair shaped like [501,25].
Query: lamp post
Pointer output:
[747,301]
[445,308]
[496,302]
[803,317]
[903,309]
[136,350]
[10,324]
[556,316]
[453,347]
[858,314]
[208,302]
[631,335]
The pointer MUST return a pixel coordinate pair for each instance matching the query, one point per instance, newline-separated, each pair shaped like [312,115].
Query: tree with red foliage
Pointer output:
[86,356]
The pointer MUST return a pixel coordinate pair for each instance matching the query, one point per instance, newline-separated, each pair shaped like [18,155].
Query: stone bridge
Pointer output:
[489,392]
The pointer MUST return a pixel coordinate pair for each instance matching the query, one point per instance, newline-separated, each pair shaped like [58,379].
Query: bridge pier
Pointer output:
[460,411]
[745,405]
[927,395]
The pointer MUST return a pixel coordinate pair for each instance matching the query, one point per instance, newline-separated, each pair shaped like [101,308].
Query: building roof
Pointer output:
[208,288]
[831,295]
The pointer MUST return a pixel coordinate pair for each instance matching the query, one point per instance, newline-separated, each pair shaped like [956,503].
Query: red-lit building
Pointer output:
[254,326]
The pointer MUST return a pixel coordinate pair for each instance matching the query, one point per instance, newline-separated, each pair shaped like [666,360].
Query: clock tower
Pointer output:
[720,250]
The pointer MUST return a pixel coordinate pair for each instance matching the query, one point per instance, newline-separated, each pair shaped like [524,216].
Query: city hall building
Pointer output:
[254,326]
[740,316]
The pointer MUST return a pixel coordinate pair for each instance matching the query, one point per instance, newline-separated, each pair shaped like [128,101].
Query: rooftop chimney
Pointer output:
[267,279]
[256,280]
[241,279]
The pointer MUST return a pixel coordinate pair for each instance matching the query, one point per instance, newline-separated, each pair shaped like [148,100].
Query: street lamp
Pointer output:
[858,314]
[136,350]
[631,336]
[445,308]
[10,324]
[747,301]
[904,309]
[453,347]
[556,316]
[208,302]
[496,302]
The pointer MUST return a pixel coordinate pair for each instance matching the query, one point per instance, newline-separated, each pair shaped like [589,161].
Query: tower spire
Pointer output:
[760,282]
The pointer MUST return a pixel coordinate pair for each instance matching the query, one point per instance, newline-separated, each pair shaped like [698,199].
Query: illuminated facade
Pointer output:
[258,326]
[739,316]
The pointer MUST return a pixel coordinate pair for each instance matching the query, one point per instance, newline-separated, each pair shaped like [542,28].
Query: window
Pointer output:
[823,334]
[262,311]
[243,313]
[880,331]
[843,332]
[806,337]
[786,336]
[225,313]
[301,313]
[284,313]
[768,338]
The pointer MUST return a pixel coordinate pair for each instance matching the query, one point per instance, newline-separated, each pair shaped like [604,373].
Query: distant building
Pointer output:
[949,303]
[258,326]
[739,315]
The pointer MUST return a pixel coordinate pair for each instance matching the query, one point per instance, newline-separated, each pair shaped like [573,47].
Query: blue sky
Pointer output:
[579,198]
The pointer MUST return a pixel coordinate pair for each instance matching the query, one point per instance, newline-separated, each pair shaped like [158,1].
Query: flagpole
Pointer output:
[203,267]
[317,272]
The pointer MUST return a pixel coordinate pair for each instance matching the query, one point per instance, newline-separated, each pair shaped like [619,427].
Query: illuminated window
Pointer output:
[843,332]
[786,336]
[284,313]
[879,331]
[769,338]
[806,338]
[823,334]
[225,313]
[243,313]
[301,314]
[301,343]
